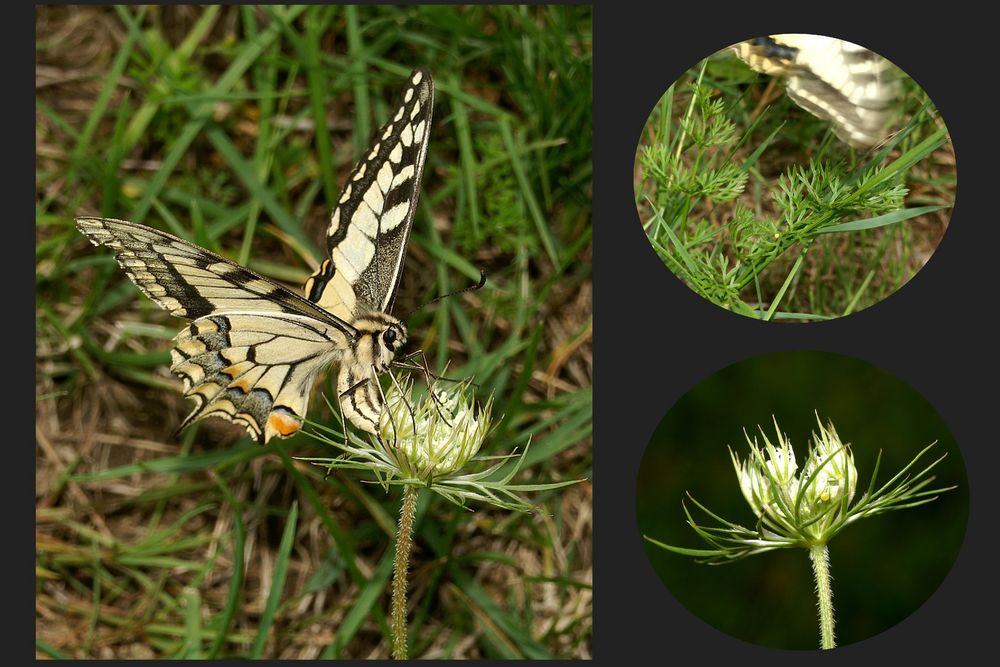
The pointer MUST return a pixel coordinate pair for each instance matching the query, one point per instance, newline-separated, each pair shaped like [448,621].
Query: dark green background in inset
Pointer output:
[883,567]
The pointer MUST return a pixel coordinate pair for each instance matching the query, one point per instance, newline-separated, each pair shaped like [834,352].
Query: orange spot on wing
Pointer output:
[283,423]
[245,384]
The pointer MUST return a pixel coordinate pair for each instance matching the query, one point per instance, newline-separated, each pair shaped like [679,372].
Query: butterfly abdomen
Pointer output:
[380,337]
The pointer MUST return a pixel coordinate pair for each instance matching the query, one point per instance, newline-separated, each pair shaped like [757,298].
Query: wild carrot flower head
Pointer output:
[433,440]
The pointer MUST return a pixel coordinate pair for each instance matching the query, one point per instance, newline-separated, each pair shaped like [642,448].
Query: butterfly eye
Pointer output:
[389,336]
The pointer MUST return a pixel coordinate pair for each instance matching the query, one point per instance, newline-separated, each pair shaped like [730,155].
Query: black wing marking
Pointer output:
[254,348]
[191,282]
[256,369]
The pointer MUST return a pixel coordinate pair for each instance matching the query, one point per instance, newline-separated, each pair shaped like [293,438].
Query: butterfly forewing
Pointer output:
[189,281]
[370,226]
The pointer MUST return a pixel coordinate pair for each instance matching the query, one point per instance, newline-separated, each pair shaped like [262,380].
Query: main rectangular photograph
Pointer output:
[313,332]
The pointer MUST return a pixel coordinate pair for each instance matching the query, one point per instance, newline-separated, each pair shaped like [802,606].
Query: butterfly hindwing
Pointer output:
[254,368]
[843,83]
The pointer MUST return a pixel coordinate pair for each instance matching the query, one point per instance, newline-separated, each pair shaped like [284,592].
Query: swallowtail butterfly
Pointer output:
[843,83]
[254,348]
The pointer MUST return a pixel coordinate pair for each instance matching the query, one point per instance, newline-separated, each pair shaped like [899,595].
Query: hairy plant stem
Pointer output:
[820,557]
[401,564]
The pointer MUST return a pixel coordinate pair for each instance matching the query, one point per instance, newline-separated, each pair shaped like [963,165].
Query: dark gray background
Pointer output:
[655,338]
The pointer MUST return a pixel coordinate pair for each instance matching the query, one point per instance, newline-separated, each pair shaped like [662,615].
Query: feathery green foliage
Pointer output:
[763,212]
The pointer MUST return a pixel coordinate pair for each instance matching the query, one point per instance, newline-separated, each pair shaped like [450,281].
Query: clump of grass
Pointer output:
[234,127]
[768,215]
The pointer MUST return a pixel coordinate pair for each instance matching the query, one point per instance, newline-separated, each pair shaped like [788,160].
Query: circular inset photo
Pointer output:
[795,177]
[802,500]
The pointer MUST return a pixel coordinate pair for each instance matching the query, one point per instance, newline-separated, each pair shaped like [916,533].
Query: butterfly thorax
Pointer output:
[379,337]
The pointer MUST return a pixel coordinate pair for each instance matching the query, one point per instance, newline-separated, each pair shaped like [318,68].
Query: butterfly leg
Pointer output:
[392,419]
[409,408]
[343,429]
[406,362]
[431,379]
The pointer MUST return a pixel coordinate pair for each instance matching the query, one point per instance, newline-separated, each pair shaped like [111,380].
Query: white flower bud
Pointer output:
[836,477]
[435,436]
[772,483]
[768,473]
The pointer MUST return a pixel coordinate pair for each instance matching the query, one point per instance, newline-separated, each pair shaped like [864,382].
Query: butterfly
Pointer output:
[843,83]
[254,348]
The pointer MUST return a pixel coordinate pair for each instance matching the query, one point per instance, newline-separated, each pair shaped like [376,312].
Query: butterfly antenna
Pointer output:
[472,288]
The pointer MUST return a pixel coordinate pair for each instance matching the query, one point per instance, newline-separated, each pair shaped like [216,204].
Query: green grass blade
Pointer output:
[277,581]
